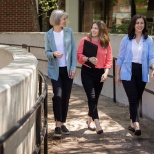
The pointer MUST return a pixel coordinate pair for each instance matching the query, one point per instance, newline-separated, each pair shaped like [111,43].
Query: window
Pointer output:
[115,13]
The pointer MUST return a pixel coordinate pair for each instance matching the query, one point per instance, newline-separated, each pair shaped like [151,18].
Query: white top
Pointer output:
[137,50]
[59,41]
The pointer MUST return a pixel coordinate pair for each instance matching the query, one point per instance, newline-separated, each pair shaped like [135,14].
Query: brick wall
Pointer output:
[18,16]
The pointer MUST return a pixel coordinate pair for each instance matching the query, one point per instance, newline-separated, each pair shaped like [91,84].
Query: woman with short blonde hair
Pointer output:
[61,53]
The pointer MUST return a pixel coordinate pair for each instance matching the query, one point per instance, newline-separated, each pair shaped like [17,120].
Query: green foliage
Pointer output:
[120,29]
[151,28]
[141,10]
[123,28]
[47,5]
[141,2]
[115,2]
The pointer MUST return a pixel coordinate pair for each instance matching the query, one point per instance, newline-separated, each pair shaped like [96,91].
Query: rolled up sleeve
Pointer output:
[80,52]
[109,57]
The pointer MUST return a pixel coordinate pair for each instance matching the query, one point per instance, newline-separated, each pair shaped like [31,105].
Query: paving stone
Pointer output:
[114,119]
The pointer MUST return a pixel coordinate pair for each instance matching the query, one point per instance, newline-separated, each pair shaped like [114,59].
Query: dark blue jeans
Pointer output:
[62,90]
[91,82]
[134,90]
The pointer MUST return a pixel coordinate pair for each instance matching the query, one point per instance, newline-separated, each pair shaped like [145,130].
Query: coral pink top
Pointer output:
[104,56]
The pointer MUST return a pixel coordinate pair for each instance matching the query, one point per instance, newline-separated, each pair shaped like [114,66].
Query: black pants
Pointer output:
[134,90]
[62,90]
[91,82]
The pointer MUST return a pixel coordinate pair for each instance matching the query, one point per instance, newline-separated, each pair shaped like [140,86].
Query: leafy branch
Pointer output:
[47,5]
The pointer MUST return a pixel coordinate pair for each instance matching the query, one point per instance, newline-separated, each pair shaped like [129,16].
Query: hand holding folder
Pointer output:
[89,50]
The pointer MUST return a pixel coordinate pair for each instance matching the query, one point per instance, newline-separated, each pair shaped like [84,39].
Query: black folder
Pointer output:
[89,50]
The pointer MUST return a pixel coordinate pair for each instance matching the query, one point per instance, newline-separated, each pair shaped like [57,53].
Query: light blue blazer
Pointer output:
[125,58]
[69,47]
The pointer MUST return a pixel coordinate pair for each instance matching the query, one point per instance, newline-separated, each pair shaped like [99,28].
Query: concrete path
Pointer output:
[114,118]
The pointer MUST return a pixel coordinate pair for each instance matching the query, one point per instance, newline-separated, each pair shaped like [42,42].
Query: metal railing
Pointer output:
[37,107]
[114,87]
[41,131]
[111,76]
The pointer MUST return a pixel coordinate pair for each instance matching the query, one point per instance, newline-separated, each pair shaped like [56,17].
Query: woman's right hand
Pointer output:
[57,54]
[117,79]
[93,60]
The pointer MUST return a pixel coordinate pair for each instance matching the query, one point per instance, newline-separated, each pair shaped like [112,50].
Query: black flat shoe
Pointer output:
[131,129]
[137,132]
[99,132]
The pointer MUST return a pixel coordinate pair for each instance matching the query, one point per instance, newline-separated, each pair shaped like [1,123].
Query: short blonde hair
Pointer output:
[56,15]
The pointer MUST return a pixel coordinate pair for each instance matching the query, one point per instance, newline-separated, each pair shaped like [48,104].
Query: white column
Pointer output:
[37,5]
[72,8]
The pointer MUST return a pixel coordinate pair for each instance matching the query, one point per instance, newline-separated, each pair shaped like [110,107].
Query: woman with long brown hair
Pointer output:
[94,77]
[136,55]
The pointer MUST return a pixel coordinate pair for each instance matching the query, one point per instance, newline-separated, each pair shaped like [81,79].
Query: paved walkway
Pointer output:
[114,118]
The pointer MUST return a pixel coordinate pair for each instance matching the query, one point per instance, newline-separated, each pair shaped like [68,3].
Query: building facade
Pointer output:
[115,13]
[19,16]
[22,15]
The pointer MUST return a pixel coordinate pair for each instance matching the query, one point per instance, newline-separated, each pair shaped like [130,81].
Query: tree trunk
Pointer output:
[45,22]
[133,8]
[59,2]
[110,14]
[150,11]
[36,27]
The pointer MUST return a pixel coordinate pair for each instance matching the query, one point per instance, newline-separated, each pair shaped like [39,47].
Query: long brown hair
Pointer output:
[102,34]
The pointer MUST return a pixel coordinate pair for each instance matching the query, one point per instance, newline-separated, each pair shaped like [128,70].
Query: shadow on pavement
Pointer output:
[114,118]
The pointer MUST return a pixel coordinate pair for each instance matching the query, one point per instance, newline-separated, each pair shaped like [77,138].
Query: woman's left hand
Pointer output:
[93,60]
[72,74]
[104,77]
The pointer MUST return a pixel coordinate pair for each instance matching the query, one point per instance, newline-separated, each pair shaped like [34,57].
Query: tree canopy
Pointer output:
[47,5]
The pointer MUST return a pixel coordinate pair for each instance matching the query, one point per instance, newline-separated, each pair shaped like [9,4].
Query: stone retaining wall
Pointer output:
[18,93]
[37,39]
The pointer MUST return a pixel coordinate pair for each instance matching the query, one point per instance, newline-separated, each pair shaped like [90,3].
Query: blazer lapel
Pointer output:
[65,38]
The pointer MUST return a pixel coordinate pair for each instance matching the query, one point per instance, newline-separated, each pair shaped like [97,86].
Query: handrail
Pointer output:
[27,116]
[114,59]
[41,135]
[111,76]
